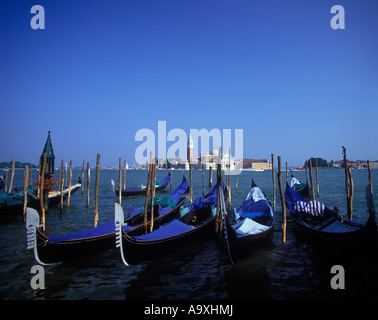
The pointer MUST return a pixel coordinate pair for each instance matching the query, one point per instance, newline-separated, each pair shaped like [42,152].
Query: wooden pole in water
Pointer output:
[219,170]
[25,190]
[370,180]
[66,176]
[347,182]
[69,185]
[191,183]
[147,194]
[220,218]
[153,182]
[120,181]
[12,176]
[82,178]
[39,176]
[88,182]
[203,180]
[211,176]
[229,179]
[279,175]
[41,185]
[61,171]
[317,178]
[274,184]
[312,181]
[351,193]
[96,190]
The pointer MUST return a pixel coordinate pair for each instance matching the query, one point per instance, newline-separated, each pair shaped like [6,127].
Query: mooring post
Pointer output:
[88,182]
[274,183]
[279,174]
[25,190]
[12,176]
[96,190]
[69,185]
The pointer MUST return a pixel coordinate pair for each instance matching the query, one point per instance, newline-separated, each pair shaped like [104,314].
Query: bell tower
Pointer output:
[190,149]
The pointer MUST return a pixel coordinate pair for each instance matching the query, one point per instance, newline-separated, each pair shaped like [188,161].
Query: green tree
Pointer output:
[322,163]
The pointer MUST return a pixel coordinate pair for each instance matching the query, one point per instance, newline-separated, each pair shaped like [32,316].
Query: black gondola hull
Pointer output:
[136,251]
[130,193]
[49,252]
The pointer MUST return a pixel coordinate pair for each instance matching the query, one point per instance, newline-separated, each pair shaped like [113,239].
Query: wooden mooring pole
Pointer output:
[347,185]
[312,181]
[149,176]
[274,183]
[203,180]
[283,204]
[317,178]
[370,180]
[12,176]
[96,190]
[69,185]
[26,171]
[88,182]
[82,178]
[120,181]
[41,185]
[153,182]
[351,193]
[191,182]
[61,186]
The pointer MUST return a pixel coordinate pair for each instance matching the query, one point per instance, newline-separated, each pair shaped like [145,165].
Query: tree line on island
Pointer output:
[17,164]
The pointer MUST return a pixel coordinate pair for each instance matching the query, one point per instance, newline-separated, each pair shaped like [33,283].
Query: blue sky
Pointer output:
[102,70]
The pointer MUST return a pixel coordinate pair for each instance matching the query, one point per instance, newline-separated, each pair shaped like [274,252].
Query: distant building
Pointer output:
[255,164]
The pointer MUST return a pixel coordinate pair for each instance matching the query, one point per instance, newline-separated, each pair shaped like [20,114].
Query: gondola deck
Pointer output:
[51,249]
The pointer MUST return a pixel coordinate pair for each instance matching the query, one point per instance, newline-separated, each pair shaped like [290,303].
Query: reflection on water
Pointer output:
[202,270]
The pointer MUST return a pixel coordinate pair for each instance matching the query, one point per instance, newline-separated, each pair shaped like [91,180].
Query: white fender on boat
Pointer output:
[31,224]
[119,223]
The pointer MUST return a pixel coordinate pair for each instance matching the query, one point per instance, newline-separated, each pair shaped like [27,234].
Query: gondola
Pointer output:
[251,224]
[54,196]
[137,191]
[325,227]
[11,205]
[195,220]
[51,249]
[302,188]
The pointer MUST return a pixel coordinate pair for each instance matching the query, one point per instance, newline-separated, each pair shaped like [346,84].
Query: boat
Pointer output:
[251,224]
[52,249]
[2,184]
[141,190]
[195,220]
[302,188]
[54,196]
[11,204]
[325,227]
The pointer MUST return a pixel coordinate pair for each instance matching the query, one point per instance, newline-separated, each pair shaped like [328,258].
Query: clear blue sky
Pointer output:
[102,70]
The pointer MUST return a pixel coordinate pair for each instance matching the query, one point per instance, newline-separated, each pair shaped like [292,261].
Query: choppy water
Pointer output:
[196,272]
